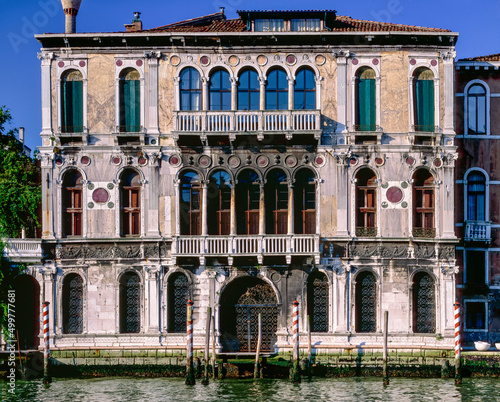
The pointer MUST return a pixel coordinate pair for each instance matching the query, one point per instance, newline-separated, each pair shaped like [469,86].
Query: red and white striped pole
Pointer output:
[458,371]
[295,340]
[190,380]
[46,343]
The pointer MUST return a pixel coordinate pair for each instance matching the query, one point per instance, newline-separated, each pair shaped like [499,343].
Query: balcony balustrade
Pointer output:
[19,250]
[234,246]
[478,231]
[258,121]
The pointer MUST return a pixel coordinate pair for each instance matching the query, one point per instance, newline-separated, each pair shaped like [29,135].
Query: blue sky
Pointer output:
[477,23]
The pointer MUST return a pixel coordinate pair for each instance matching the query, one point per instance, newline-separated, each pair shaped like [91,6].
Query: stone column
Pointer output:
[204,92]
[291,209]
[291,93]
[177,92]
[262,81]
[153,228]
[153,300]
[449,93]
[232,214]
[234,93]
[177,188]
[46,59]
[447,194]
[262,212]
[48,186]
[343,212]
[152,127]
[204,208]
[342,57]
[49,272]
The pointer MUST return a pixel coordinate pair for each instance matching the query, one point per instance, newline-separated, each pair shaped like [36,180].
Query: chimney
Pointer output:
[136,24]
[222,10]
[21,135]
[71,8]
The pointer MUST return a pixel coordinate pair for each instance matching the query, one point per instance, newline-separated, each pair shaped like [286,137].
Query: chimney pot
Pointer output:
[21,135]
[71,8]
[222,10]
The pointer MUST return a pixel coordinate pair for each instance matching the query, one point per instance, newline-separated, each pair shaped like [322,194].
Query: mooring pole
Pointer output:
[256,370]
[46,338]
[385,373]
[214,361]
[295,340]
[309,347]
[207,346]
[190,377]
[458,362]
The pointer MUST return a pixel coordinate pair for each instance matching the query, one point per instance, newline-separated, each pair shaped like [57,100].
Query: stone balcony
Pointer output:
[259,122]
[23,250]
[246,245]
[477,231]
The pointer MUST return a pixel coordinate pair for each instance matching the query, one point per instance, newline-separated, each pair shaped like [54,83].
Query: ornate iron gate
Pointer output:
[257,299]
[131,303]
[366,303]
[424,309]
[73,304]
[179,298]
[318,302]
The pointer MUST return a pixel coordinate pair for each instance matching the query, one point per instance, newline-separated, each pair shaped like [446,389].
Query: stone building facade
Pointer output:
[478,195]
[245,163]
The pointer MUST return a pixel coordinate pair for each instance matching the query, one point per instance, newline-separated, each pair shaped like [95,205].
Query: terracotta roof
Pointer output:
[236,25]
[491,57]
[344,23]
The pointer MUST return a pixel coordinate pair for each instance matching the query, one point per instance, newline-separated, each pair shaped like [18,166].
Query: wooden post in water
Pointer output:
[295,340]
[46,338]
[458,360]
[385,373]
[214,361]
[207,346]
[309,347]
[256,370]
[190,377]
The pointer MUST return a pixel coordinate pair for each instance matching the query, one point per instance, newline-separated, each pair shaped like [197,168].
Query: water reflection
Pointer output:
[174,389]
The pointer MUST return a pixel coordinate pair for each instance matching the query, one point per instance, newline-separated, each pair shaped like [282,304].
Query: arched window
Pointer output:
[424,306]
[190,204]
[423,204]
[248,91]
[305,90]
[220,91]
[476,196]
[366,302]
[178,291]
[219,203]
[190,87]
[72,304]
[277,90]
[423,87]
[476,109]
[130,303]
[247,202]
[130,191]
[72,102]
[305,202]
[276,196]
[72,207]
[366,199]
[130,101]
[365,100]
[318,301]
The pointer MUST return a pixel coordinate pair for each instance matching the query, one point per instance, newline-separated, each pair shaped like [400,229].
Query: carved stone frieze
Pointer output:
[151,251]
[394,251]
[446,253]
[128,252]
[423,251]
[363,250]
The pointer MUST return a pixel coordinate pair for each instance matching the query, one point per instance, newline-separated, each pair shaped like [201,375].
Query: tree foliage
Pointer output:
[20,193]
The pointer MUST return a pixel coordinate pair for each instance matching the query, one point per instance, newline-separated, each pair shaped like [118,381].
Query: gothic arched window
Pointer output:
[424,305]
[178,294]
[130,303]
[366,302]
[72,304]
[318,302]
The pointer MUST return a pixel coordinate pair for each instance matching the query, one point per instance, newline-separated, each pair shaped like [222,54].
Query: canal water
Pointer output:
[332,389]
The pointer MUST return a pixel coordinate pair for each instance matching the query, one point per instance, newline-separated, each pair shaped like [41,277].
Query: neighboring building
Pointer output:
[478,195]
[243,164]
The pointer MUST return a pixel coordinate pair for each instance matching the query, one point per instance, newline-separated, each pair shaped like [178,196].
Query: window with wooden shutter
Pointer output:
[131,203]
[72,102]
[276,196]
[365,100]
[424,100]
[219,203]
[366,208]
[72,205]
[305,202]
[130,101]
[247,202]
[423,204]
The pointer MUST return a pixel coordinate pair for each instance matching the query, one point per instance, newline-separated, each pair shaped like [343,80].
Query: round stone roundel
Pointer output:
[394,194]
[100,195]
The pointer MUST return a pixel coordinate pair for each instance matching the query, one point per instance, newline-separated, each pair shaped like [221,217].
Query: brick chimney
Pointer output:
[71,8]
[136,24]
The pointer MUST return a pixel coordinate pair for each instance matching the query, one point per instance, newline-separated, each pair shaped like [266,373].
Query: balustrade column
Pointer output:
[262,81]
[262,212]
[232,213]
[290,209]
[204,93]
[234,93]
[204,210]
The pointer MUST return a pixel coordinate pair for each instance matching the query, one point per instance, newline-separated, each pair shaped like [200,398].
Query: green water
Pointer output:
[334,389]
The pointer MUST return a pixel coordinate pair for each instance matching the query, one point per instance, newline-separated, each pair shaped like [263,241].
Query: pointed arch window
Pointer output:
[72,304]
[476,196]
[248,91]
[424,304]
[366,302]
[423,87]
[190,204]
[72,204]
[190,87]
[72,102]
[365,100]
[305,90]
[423,204]
[130,101]
[276,196]
[130,192]
[366,207]
[220,91]
[178,296]
[277,90]
[305,202]
[219,203]
[318,302]
[476,109]
[247,202]
[130,303]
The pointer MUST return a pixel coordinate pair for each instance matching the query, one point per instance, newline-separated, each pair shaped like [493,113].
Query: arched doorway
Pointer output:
[27,311]
[241,303]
